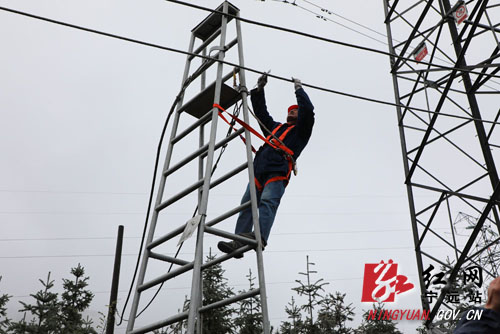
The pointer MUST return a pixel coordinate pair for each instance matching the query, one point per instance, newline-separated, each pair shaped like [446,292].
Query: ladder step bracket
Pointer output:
[167,258]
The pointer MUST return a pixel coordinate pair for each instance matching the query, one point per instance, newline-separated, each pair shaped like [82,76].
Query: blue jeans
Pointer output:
[268,201]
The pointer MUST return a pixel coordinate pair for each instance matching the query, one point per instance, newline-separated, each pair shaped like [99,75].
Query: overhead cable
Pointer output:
[324,39]
[156,46]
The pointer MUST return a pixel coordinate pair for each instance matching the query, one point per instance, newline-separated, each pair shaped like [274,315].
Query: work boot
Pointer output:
[229,247]
[251,235]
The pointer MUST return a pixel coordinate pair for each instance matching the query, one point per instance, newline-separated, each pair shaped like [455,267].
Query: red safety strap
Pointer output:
[282,137]
[232,127]
[277,178]
[271,142]
[252,130]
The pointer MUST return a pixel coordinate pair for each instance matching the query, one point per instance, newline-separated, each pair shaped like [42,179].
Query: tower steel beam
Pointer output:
[459,168]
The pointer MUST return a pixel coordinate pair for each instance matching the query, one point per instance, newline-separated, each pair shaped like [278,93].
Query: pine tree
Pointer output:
[314,297]
[4,321]
[296,325]
[45,312]
[334,314]
[215,288]
[75,300]
[377,326]
[49,315]
[249,320]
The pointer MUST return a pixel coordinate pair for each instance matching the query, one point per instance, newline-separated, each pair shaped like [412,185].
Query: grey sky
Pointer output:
[81,116]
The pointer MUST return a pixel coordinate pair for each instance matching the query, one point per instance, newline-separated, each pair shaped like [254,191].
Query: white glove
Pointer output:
[262,81]
[297,83]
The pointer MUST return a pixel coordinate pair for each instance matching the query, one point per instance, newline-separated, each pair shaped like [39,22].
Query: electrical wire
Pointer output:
[191,253]
[324,39]
[151,193]
[214,167]
[354,96]
[328,11]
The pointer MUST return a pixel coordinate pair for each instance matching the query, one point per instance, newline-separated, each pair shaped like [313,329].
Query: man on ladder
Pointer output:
[273,164]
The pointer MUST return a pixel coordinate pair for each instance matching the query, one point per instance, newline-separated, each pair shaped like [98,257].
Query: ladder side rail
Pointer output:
[201,143]
[154,218]
[253,194]
[195,286]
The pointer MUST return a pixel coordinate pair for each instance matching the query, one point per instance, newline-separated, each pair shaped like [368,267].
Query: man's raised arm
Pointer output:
[259,106]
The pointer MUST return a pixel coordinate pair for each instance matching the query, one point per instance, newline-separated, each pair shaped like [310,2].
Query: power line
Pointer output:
[333,21]
[188,253]
[71,192]
[211,236]
[324,39]
[359,97]
[328,11]
[231,285]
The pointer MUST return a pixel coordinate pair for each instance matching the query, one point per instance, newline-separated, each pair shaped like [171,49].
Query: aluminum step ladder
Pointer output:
[200,111]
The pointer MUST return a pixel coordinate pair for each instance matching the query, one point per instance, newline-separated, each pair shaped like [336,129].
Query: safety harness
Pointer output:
[277,145]
[271,141]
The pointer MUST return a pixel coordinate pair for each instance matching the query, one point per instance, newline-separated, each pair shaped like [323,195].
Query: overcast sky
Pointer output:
[81,116]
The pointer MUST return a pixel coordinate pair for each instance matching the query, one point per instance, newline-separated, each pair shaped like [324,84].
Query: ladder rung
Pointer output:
[167,258]
[160,324]
[225,257]
[186,160]
[190,265]
[229,175]
[166,237]
[231,300]
[226,140]
[229,213]
[231,236]
[203,120]
[202,152]
[180,195]
[206,43]
[198,184]
[207,63]
[181,228]
[166,277]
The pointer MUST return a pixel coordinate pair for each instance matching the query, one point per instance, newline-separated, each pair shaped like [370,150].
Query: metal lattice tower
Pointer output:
[449,162]
[196,113]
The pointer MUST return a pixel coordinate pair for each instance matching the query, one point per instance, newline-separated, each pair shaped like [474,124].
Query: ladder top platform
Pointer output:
[213,22]
[203,102]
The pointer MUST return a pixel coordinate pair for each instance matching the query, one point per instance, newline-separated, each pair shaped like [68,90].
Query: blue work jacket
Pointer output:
[269,161]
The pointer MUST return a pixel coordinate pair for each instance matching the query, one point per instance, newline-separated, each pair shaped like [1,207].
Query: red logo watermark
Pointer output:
[382,282]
